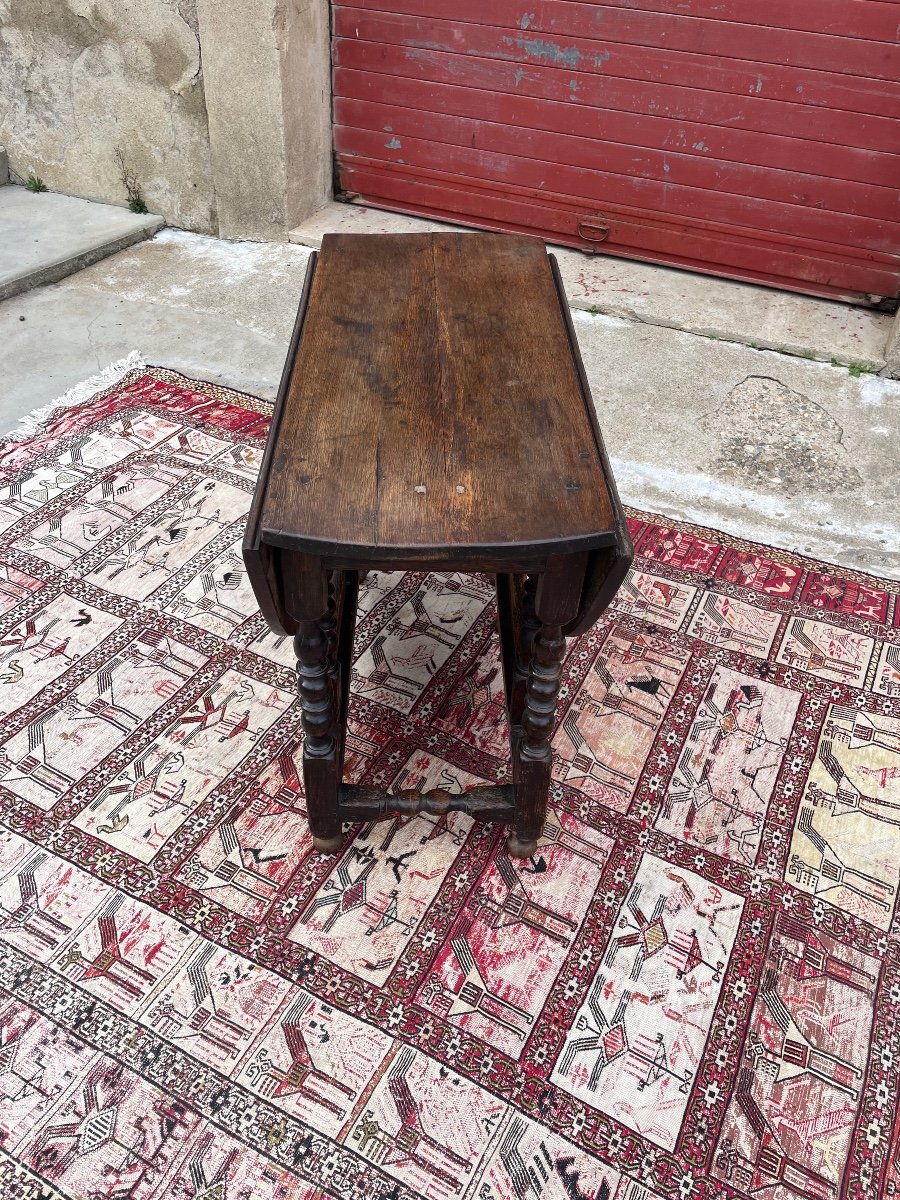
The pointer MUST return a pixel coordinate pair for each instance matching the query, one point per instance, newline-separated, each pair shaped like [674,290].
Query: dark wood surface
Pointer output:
[261,559]
[434,405]
[608,565]
[434,413]
[490,803]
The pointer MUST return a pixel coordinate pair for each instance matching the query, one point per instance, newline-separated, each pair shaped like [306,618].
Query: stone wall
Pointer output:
[220,107]
[266,70]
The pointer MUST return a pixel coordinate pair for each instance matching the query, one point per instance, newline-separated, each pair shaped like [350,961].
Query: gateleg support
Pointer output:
[556,600]
[312,602]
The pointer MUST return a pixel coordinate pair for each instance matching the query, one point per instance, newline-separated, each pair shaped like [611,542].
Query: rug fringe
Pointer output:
[80,393]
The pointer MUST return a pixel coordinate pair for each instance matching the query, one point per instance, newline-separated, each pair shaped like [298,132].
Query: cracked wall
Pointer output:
[221,107]
[80,77]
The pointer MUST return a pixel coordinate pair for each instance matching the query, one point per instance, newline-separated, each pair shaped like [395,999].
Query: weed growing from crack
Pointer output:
[34,183]
[854,369]
[130,182]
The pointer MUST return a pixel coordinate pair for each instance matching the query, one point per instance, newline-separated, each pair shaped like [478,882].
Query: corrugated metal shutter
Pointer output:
[758,141]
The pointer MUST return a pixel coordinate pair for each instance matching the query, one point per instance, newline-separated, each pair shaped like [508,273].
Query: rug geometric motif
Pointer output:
[691,990]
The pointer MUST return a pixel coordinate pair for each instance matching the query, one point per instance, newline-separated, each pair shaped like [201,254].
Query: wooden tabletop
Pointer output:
[434,403]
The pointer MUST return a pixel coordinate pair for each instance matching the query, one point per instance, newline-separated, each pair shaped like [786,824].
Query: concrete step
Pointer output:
[721,309]
[45,236]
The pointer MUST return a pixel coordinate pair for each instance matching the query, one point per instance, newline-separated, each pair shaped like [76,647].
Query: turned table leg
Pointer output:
[526,634]
[533,761]
[545,610]
[321,770]
[313,605]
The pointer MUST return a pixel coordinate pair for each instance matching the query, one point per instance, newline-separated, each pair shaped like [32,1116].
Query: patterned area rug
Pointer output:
[692,990]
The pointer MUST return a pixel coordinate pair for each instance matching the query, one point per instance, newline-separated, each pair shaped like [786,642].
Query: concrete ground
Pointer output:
[769,444]
[44,236]
[718,308]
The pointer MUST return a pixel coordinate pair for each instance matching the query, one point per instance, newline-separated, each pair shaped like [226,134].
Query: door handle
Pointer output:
[593,231]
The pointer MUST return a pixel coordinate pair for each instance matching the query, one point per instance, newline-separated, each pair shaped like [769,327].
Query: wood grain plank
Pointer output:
[262,567]
[606,567]
[434,403]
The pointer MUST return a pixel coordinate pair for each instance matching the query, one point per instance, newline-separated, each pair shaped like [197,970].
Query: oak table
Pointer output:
[434,414]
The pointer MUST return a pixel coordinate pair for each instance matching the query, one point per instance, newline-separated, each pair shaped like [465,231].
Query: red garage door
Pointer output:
[756,140]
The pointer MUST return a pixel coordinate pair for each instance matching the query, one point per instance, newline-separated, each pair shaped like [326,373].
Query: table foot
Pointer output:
[518,849]
[328,845]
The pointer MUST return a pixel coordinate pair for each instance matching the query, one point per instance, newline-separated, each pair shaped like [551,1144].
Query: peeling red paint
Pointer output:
[759,144]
